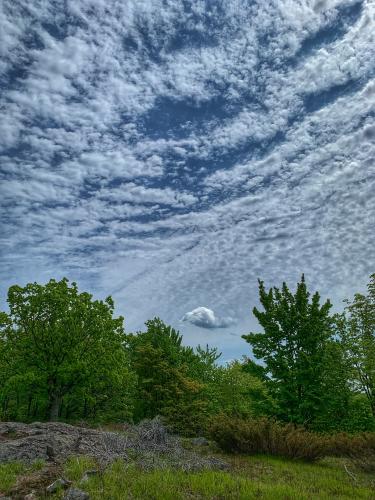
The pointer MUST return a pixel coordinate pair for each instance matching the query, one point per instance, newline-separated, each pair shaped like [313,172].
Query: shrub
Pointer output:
[360,448]
[266,436]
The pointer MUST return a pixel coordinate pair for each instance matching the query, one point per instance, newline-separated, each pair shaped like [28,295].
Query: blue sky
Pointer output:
[171,152]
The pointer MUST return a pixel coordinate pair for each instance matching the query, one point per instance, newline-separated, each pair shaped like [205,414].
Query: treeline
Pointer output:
[64,355]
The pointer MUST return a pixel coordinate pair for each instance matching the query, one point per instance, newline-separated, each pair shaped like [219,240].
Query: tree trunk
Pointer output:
[5,404]
[54,407]
[30,401]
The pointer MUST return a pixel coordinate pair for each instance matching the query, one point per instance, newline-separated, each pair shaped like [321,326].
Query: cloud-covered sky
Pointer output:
[170,152]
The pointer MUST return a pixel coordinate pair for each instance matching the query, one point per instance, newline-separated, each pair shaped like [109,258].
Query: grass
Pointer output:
[10,472]
[249,478]
[260,477]
[8,475]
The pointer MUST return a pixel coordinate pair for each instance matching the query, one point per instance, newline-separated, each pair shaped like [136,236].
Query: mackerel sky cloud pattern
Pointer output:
[171,152]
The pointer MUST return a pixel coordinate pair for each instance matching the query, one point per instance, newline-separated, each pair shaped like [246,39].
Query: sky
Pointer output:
[171,152]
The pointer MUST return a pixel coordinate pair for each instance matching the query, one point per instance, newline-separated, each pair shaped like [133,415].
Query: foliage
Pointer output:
[235,391]
[62,354]
[293,348]
[356,329]
[359,417]
[266,436]
[187,386]
[336,408]
[168,376]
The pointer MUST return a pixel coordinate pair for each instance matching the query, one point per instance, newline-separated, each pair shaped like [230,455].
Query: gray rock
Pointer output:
[89,473]
[30,496]
[56,441]
[57,485]
[76,494]
[200,441]
[218,464]
[150,442]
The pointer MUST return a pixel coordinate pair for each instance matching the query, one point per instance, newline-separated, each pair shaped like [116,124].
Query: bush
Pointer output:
[351,446]
[266,436]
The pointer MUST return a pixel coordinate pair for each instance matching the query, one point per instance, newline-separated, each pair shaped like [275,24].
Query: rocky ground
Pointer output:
[148,445]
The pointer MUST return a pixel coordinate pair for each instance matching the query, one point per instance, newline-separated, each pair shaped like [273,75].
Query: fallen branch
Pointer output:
[350,473]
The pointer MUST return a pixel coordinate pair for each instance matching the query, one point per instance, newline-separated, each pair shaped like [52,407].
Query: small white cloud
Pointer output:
[205,318]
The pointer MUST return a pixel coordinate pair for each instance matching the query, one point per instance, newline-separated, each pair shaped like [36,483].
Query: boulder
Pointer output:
[57,485]
[89,473]
[76,494]
[200,441]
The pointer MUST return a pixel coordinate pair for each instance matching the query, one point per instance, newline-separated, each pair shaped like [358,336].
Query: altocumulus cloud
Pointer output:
[169,153]
[206,318]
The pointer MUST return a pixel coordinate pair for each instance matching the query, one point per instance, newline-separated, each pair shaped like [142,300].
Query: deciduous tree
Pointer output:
[57,342]
[292,347]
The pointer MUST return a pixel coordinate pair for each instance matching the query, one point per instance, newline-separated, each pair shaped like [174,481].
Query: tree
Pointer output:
[356,328]
[335,407]
[59,345]
[292,347]
[171,377]
[237,392]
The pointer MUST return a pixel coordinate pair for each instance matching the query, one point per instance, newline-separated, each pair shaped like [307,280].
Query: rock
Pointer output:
[56,441]
[89,473]
[57,485]
[50,452]
[30,496]
[200,441]
[218,464]
[76,494]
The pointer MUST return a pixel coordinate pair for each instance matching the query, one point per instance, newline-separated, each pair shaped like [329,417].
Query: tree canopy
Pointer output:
[293,347]
[65,355]
[57,345]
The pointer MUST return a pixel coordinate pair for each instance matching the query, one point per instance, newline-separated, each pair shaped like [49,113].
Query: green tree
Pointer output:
[237,392]
[293,347]
[356,328]
[336,397]
[171,378]
[60,346]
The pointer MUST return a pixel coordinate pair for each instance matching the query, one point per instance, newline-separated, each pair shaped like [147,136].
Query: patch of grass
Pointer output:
[77,466]
[325,479]
[37,465]
[250,477]
[8,475]
[11,472]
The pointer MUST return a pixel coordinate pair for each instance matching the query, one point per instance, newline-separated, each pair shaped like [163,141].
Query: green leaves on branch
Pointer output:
[62,347]
[64,355]
[297,331]
[356,330]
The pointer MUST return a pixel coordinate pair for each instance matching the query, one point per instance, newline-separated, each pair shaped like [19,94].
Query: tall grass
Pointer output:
[265,436]
[249,478]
